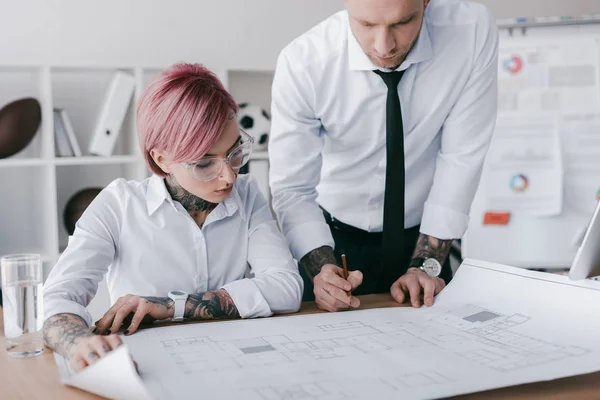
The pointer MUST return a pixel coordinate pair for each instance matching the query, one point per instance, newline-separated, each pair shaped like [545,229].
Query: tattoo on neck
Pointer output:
[431,247]
[189,201]
[210,305]
[314,261]
[62,331]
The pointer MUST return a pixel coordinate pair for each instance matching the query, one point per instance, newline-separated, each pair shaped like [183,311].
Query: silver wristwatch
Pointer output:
[430,266]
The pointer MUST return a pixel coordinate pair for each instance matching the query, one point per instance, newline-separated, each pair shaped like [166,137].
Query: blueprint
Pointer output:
[493,326]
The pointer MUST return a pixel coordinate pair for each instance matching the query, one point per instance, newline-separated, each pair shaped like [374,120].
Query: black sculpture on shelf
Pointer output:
[76,206]
[19,122]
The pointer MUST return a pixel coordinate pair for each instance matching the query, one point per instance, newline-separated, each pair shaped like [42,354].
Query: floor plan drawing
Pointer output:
[474,338]
[481,336]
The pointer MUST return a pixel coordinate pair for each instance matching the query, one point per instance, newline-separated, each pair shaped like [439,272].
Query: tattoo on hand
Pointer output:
[189,201]
[62,331]
[431,247]
[314,261]
[163,301]
[210,305]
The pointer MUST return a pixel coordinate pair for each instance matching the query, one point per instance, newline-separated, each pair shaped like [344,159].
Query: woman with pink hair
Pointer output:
[193,241]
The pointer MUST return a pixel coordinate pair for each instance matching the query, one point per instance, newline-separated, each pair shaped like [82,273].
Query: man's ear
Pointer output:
[159,158]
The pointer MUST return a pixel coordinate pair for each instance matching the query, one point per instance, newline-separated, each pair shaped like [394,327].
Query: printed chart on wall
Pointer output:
[547,133]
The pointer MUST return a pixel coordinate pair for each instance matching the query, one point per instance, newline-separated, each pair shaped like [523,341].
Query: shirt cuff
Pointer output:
[248,299]
[54,307]
[307,237]
[443,223]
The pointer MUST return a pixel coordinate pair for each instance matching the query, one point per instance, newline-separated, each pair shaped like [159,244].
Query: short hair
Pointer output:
[182,112]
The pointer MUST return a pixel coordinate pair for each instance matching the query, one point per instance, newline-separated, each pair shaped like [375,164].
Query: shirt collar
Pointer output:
[157,194]
[228,208]
[359,61]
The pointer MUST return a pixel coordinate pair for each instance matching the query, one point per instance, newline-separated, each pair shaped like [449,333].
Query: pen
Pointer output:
[345,270]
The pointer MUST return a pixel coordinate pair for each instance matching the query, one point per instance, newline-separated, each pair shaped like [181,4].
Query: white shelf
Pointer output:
[22,162]
[259,155]
[42,183]
[94,160]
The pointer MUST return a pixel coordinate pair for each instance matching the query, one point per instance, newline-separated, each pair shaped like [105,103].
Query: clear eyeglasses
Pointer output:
[208,168]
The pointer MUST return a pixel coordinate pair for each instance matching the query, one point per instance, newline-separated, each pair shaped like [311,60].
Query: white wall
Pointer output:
[223,34]
[541,8]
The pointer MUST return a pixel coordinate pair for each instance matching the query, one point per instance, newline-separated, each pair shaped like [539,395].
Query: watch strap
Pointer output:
[179,309]
[416,262]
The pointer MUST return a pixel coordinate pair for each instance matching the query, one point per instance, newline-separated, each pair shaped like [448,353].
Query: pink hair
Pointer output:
[182,112]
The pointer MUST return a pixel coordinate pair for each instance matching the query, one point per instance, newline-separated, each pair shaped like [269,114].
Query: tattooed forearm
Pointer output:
[189,201]
[314,261]
[431,247]
[216,304]
[62,331]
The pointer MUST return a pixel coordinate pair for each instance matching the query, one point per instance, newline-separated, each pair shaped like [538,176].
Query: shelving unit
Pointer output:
[36,184]
[253,87]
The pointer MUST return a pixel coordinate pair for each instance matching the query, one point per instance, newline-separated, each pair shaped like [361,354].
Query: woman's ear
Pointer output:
[159,158]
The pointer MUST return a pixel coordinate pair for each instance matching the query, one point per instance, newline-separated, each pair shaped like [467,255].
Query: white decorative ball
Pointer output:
[256,122]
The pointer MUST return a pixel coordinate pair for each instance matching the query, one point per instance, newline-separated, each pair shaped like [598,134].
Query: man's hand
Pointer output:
[330,288]
[414,283]
[139,309]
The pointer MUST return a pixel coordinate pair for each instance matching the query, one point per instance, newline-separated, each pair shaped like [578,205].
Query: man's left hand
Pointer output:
[414,283]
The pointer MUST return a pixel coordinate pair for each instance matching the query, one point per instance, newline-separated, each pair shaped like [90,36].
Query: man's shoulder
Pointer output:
[459,13]
[462,25]
[324,41]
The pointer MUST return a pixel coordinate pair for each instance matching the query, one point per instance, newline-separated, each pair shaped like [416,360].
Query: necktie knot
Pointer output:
[391,79]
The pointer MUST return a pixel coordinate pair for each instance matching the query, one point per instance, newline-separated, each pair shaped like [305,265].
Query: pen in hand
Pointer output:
[345,270]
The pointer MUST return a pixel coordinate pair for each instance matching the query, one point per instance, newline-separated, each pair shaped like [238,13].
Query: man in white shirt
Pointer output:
[382,116]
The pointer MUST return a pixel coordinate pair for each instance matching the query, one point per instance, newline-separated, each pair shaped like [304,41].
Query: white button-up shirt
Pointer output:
[147,244]
[328,135]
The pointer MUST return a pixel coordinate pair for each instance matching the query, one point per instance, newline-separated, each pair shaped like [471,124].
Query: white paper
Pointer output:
[493,326]
[559,76]
[113,376]
[581,143]
[524,168]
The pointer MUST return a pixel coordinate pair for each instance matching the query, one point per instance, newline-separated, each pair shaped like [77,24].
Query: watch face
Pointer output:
[432,267]
[177,293]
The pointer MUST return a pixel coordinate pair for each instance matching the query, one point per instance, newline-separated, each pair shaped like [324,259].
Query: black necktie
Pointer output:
[393,205]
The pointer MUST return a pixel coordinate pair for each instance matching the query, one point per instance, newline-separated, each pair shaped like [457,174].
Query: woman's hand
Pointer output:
[69,335]
[136,309]
[88,349]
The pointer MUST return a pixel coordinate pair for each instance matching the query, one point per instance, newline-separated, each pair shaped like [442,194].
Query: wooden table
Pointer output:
[37,377]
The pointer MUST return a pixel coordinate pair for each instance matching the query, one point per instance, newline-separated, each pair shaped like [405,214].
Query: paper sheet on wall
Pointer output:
[581,149]
[547,91]
[474,338]
[559,76]
[524,168]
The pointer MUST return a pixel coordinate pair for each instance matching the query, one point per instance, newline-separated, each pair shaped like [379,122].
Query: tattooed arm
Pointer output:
[431,247]
[216,304]
[130,311]
[316,259]
[69,336]
[63,330]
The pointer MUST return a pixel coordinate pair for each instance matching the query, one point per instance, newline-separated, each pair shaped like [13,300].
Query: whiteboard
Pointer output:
[545,242]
